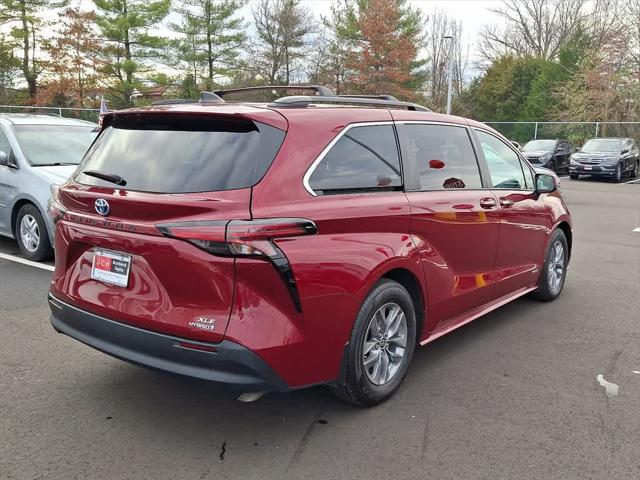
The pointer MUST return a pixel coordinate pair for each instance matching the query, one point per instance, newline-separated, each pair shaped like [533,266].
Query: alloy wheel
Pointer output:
[29,233]
[556,267]
[385,343]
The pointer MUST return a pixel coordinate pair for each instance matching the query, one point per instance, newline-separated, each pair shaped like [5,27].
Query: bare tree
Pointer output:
[632,14]
[542,27]
[532,27]
[443,34]
[283,28]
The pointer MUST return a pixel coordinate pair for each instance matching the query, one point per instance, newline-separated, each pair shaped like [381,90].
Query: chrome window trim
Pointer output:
[430,122]
[316,162]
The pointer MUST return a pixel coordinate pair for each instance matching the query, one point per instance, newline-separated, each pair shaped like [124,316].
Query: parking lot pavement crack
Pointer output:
[223,450]
[303,441]
[614,361]
[425,439]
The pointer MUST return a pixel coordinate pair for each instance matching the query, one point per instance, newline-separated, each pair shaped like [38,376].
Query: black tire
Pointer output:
[618,177]
[634,172]
[356,386]
[43,250]
[546,290]
[574,176]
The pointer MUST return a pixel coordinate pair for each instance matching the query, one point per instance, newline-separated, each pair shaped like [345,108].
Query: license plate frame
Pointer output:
[111,267]
[588,167]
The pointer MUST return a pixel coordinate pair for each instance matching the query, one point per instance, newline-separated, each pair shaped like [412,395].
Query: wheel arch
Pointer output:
[408,280]
[16,208]
[568,233]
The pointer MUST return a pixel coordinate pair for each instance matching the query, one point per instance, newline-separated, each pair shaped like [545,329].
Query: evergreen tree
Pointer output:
[26,20]
[211,38]
[129,47]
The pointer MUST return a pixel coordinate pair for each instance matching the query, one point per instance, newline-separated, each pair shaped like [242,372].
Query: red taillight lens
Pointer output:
[246,238]
[240,237]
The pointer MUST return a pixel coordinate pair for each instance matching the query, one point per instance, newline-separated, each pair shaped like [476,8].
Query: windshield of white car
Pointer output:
[601,145]
[544,145]
[45,145]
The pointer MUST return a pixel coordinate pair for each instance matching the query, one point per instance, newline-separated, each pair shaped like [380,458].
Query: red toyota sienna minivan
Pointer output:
[312,240]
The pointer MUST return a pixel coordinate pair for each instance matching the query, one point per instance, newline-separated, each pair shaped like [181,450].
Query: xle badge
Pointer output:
[204,323]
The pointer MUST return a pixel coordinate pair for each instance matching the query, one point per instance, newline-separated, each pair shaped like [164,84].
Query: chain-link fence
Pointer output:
[90,114]
[522,132]
[576,132]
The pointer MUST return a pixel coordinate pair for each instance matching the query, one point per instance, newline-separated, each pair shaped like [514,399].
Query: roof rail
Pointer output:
[318,90]
[380,97]
[305,101]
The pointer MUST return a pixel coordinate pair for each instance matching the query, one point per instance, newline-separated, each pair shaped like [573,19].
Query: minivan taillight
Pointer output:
[55,209]
[246,238]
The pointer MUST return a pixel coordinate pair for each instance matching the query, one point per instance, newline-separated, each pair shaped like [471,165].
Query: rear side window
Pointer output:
[440,156]
[364,158]
[182,155]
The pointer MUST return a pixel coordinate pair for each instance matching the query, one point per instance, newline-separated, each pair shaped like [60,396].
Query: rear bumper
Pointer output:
[229,363]
[596,171]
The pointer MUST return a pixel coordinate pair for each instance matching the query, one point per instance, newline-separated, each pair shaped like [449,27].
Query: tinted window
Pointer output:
[363,158]
[544,145]
[601,145]
[504,164]
[440,156]
[178,155]
[54,144]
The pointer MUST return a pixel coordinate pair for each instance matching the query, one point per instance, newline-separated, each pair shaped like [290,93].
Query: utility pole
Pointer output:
[450,73]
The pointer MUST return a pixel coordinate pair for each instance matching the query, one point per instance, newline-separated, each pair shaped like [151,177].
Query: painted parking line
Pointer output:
[637,230]
[637,180]
[23,261]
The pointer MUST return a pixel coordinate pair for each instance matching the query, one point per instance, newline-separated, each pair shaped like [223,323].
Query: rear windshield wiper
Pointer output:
[108,177]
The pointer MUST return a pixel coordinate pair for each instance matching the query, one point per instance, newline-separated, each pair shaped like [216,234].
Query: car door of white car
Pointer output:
[7,185]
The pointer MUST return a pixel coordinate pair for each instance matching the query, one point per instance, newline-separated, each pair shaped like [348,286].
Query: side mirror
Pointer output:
[4,159]
[545,183]
[625,151]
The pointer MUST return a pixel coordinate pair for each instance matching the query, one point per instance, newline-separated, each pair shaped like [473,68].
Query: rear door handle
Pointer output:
[488,203]
[506,202]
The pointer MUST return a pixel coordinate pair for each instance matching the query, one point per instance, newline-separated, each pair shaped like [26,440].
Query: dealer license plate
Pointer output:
[111,267]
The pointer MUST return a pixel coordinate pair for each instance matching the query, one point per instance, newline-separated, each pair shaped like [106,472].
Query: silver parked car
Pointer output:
[36,152]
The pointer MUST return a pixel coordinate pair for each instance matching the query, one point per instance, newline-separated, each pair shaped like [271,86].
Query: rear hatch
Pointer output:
[147,173]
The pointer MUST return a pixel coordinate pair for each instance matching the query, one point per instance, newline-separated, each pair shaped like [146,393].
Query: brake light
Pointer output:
[246,238]
[55,209]
[252,238]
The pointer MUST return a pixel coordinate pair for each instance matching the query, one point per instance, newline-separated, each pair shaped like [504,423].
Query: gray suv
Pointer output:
[606,157]
[36,152]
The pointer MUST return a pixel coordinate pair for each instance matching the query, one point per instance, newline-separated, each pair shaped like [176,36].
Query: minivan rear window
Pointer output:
[179,154]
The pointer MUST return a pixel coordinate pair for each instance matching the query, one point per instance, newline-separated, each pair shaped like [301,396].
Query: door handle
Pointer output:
[488,203]
[506,202]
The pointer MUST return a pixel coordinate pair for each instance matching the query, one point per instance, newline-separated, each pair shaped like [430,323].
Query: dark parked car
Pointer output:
[551,154]
[277,246]
[606,157]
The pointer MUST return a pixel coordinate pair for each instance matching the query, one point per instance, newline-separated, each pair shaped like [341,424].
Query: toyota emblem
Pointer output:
[102,206]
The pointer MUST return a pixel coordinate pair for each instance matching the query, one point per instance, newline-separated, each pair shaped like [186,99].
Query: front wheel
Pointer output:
[381,346]
[618,176]
[31,234]
[634,172]
[554,269]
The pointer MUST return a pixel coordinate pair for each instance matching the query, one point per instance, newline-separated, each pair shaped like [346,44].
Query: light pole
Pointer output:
[450,73]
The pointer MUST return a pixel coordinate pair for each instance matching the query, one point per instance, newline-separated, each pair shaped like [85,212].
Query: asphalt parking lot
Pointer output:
[513,395]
